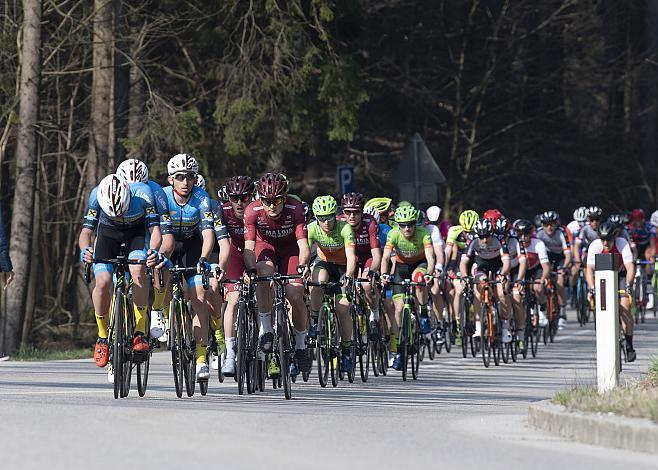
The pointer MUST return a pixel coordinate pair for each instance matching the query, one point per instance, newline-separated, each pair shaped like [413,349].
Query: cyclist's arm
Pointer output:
[249,254]
[505,259]
[566,249]
[576,250]
[545,271]
[155,238]
[85,238]
[448,253]
[627,258]
[224,253]
[463,265]
[208,236]
[523,266]
[431,260]
[386,258]
[376,259]
[304,250]
[350,254]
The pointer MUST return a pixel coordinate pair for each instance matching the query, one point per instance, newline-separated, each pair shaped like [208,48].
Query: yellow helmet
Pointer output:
[468,219]
[381,204]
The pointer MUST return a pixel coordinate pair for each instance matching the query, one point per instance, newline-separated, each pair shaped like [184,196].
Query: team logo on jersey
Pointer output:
[166,218]
[150,210]
[92,213]
[218,224]
[207,215]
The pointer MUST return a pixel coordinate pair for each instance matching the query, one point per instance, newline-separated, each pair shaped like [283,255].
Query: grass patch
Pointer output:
[35,354]
[637,399]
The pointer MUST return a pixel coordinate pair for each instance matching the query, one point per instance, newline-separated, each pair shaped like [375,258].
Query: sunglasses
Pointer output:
[406,225]
[273,202]
[240,198]
[325,218]
[185,176]
[594,219]
[349,212]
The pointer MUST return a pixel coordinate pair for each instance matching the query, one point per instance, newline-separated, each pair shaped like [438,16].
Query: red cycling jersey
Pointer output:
[367,238]
[235,226]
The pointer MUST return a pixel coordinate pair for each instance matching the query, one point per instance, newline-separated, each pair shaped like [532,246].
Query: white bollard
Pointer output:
[607,321]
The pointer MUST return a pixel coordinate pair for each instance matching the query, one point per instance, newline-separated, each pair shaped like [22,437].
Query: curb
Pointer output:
[607,430]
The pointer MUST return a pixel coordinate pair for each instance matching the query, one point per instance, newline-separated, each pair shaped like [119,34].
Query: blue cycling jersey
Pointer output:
[383,232]
[195,215]
[221,230]
[161,206]
[142,209]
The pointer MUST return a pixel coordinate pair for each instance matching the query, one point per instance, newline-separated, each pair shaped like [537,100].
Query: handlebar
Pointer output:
[113,261]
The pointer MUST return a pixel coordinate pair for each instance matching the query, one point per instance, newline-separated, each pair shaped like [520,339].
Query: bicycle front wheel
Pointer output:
[284,351]
[118,340]
[176,340]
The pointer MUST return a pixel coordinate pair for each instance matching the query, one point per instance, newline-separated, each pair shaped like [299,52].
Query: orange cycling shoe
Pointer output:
[140,343]
[101,352]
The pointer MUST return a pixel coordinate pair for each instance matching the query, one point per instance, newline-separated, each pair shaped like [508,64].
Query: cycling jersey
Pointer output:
[435,234]
[331,246]
[383,233]
[235,226]
[367,238]
[194,216]
[491,250]
[409,251]
[641,235]
[286,229]
[587,234]
[621,249]
[535,254]
[514,249]
[161,206]
[555,243]
[574,227]
[221,229]
[458,237]
[142,209]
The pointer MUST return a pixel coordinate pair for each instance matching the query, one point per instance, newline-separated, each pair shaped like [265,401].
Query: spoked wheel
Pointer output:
[373,356]
[486,347]
[203,387]
[514,350]
[334,366]
[143,374]
[241,358]
[432,346]
[383,358]
[176,345]
[447,335]
[117,340]
[403,346]
[189,353]
[285,349]
[415,353]
[322,349]
[364,354]
[127,373]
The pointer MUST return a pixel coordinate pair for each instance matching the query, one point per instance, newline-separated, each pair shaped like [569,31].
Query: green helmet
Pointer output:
[406,214]
[404,204]
[324,205]
[381,204]
[468,219]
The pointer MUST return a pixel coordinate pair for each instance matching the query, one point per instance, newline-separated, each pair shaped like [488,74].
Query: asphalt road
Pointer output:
[62,414]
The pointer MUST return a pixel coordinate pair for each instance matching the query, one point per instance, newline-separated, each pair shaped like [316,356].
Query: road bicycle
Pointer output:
[409,337]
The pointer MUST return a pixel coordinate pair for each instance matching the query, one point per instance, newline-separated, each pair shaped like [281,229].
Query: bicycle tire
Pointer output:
[117,342]
[415,350]
[431,348]
[176,340]
[322,348]
[485,344]
[403,341]
[364,350]
[189,352]
[463,321]
[143,374]
[241,359]
[447,335]
[283,333]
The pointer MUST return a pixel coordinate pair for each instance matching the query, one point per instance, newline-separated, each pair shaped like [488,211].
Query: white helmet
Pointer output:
[200,182]
[133,171]
[114,195]
[182,162]
[654,219]
[372,211]
[433,213]
[580,214]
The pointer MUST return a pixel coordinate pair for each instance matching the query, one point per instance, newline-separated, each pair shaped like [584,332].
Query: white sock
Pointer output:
[265,320]
[374,314]
[230,344]
[300,339]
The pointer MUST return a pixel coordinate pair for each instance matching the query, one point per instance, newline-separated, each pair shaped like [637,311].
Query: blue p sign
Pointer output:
[345,176]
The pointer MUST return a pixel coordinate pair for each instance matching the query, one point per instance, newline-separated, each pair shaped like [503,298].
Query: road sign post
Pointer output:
[607,321]
[345,177]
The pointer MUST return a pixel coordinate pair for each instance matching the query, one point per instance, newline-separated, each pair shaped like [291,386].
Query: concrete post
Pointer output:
[607,321]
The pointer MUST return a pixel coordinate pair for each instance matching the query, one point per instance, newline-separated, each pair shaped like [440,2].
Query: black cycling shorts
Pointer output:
[109,240]
[405,271]
[336,272]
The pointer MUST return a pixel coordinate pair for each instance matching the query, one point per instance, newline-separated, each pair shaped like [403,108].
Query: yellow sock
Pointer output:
[158,299]
[393,344]
[215,323]
[200,353]
[166,312]
[140,319]
[103,326]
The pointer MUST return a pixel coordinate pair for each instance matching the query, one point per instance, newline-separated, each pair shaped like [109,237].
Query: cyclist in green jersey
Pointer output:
[336,248]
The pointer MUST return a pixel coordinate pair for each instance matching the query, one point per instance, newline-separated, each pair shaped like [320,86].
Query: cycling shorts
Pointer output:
[235,268]
[108,245]
[557,260]
[336,272]
[484,267]
[287,259]
[406,271]
[186,254]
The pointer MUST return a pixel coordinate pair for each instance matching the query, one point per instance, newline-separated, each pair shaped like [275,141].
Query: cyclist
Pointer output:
[414,255]
[383,206]
[536,267]
[506,233]
[218,261]
[118,212]
[573,229]
[275,234]
[136,171]
[610,243]
[240,192]
[643,235]
[192,221]
[559,253]
[439,309]
[336,249]
[368,251]
[490,257]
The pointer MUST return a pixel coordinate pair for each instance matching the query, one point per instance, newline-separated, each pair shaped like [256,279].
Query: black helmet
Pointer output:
[549,217]
[523,226]
[616,219]
[483,228]
[594,212]
[537,220]
[607,230]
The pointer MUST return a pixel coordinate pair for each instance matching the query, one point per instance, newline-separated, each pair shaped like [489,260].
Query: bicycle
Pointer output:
[409,338]
[552,308]
[532,329]
[641,297]
[491,326]
[446,326]
[181,334]
[379,345]
[360,329]
[582,305]
[284,350]
[467,317]
[327,346]
[122,327]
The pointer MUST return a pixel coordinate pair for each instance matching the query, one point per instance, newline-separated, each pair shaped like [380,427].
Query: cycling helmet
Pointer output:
[607,231]
[405,215]
[433,213]
[222,194]
[549,217]
[654,219]
[373,212]
[133,171]
[404,203]
[182,162]
[594,212]
[637,215]
[238,185]
[114,195]
[272,185]
[483,228]
[381,204]
[502,226]
[324,205]
[523,226]
[307,212]
[352,201]
[616,219]
[421,218]
[493,215]
[580,214]
[468,219]
[200,182]
[537,220]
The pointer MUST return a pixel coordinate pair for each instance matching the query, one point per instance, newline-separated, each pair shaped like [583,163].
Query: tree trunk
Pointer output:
[26,164]
[100,140]
[30,302]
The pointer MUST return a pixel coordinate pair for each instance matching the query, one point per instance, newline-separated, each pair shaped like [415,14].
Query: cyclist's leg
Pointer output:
[371,294]
[626,318]
[319,274]
[422,295]
[265,258]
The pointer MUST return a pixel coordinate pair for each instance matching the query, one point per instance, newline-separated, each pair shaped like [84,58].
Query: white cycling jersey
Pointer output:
[555,243]
[621,249]
[535,253]
[491,250]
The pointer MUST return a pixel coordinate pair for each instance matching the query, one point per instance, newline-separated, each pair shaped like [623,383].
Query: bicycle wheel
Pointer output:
[117,341]
[176,340]
[189,352]
[432,346]
[414,353]
[485,343]
[403,343]
[364,353]
[463,322]
[285,350]
[241,358]
[143,374]
[447,334]
[322,348]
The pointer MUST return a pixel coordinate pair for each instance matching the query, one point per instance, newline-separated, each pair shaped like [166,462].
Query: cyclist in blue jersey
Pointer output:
[192,223]
[136,171]
[118,212]
[642,234]
[217,259]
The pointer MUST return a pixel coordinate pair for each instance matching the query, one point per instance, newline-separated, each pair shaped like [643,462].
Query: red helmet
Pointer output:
[272,185]
[352,201]
[637,215]
[493,215]
[238,185]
